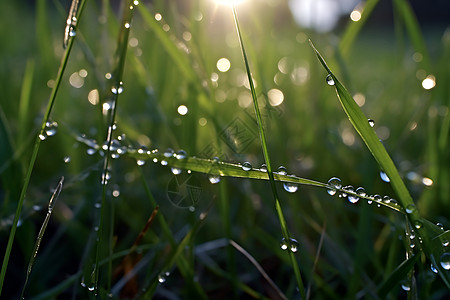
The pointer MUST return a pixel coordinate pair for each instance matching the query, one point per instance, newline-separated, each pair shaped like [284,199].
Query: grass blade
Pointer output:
[426,230]
[262,136]
[397,276]
[51,204]
[37,143]
[355,27]
[116,90]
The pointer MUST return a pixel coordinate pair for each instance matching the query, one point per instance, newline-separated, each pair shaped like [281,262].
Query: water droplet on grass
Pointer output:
[162,278]
[330,80]
[181,154]
[51,128]
[169,152]
[176,171]
[410,208]
[43,136]
[117,89]
[445,243]
[282,170]
[406,287]
[445,261]
[246,166]
[418,224]
[440,226]
[290,187]
[384,177]
[91,151]
[361,192]
[289,244]
[67,159]
[335,184]
[371,122]
[214,179]
[140,162]
[263,168]
[433,268]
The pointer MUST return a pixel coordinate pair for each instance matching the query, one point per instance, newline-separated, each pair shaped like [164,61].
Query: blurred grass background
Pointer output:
[172,62]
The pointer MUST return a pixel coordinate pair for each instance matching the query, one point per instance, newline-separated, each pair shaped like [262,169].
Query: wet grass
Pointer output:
[147,232]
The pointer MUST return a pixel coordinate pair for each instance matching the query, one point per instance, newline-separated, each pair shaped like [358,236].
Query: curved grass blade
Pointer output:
[355,27]
[426,230]
[397,276]
[51,204]
[413,28]
[37,144]
[283,224]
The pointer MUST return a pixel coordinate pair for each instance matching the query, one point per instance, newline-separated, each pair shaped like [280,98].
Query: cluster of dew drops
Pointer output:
[353,195]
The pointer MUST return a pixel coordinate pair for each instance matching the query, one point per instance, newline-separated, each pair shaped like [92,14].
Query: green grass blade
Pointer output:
[175,53]
[426,230]
[397,276]
[355,27]
[262,136]
[37,143]
[116,90]
[413,29]
[51,204]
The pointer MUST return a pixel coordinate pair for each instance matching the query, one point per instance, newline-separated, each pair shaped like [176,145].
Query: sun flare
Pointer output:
[229,2]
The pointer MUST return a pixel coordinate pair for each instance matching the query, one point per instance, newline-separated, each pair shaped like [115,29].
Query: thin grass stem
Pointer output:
[37,144]
[51,204]
[284,228]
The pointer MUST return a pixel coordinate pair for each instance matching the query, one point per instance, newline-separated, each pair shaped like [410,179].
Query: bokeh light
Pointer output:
[182,110]
[223,64]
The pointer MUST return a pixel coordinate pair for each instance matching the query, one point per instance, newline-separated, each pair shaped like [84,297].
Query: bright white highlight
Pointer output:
[182,110]
[223,64]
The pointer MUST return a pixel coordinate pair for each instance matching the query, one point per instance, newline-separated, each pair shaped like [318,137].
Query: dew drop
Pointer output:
[352,198]
[433,268]
[335,184]
[246,166]
[97,205]
[43,136]
[162,278]
[289,244]
[387,199]
[410,208]
[91,151]
[117,89]
[290,187]
[214,179]
[418,224]
[361,192]
[181,154]
[142,150]
[445,261]
[440,226]
[263,168]
[169,152]
[377,198]
[91,288]
[384,177]
[371,122]
[175,171]
[284,244]
[282,170]
[140,162]
[445,243]
[330,80]
[51,128]
[164,163]
[67,159]
[406,287]
[293,245]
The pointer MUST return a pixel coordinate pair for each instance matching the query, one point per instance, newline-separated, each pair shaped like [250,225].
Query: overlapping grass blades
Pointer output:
[428,232]
[265,150]
[37,144]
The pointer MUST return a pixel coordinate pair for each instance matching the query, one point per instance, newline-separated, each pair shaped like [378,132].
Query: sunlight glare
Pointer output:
[229,2]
